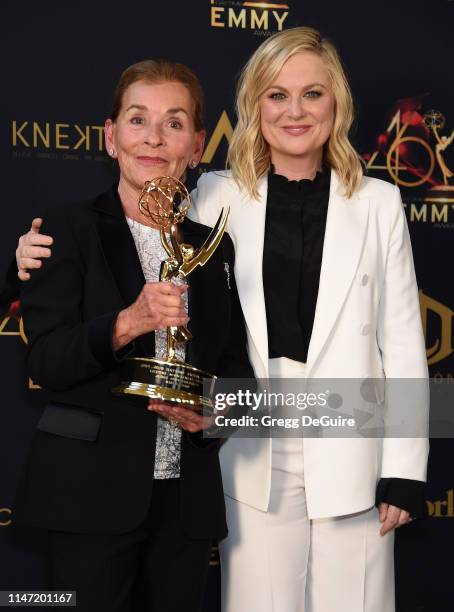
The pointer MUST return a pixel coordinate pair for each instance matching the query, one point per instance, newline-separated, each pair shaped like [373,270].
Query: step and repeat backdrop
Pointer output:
[60,64]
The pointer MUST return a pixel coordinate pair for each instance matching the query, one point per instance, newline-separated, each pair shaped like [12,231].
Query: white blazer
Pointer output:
[367,324]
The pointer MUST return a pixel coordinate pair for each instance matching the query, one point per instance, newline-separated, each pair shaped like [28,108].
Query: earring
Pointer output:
[193,164]
[111,153]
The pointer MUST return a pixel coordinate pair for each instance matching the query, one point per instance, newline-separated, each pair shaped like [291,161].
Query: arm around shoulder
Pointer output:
[64,348]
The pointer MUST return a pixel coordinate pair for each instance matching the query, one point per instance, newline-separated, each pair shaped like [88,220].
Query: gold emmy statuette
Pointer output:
[443,193]
[165,202]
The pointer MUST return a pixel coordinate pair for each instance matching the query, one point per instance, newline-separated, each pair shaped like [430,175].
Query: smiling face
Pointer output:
[154,133]
[297,113]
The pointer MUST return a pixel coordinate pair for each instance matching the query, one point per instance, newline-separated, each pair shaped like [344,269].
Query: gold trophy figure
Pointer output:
[440,193]
[165,202]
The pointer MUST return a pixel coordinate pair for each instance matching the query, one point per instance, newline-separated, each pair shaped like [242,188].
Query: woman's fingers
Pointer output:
[33,251]
[33,236]
[170,301]
[32,246]
[383,509]
[34,239]
[174,322]
[404,518]
[36,224]
[28,263]
[164,295]
[167,288]
[173,311]
[166,299]
[187,418]
[392,517]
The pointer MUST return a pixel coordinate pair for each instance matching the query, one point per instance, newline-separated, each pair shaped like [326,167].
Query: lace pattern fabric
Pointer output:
[168,439]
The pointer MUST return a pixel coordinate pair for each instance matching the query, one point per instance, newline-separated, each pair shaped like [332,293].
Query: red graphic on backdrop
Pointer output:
[12,324]
[14,310]
[413,150]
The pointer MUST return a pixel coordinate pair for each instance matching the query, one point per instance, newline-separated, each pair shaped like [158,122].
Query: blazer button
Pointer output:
[365,329]
[364,279]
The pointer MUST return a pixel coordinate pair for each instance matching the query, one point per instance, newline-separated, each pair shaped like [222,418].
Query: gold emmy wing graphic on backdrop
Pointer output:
[165,202]
[430,153]
[440,193]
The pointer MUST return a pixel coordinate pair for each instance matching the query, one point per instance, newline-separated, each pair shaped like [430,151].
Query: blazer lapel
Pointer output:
[121,255]
[345,232]
[249,236]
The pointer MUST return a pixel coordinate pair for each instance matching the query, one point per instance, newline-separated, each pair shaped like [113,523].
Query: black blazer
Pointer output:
[10,287]
[91,463]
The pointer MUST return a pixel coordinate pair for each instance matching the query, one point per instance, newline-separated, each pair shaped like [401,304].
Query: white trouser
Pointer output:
[280,561]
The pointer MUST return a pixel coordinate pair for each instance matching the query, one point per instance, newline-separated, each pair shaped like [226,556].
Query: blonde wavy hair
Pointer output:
[249,156]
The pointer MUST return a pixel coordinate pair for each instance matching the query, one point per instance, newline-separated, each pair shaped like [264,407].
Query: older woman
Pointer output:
[327,285]
[132,502]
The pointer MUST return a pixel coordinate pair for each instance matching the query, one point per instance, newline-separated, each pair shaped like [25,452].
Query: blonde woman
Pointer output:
[326,281]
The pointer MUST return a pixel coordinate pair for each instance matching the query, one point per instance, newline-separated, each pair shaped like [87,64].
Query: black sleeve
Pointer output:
[11,287]
[403,493]
[63,348]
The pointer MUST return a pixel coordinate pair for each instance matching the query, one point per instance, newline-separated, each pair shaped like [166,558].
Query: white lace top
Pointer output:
[168,441]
